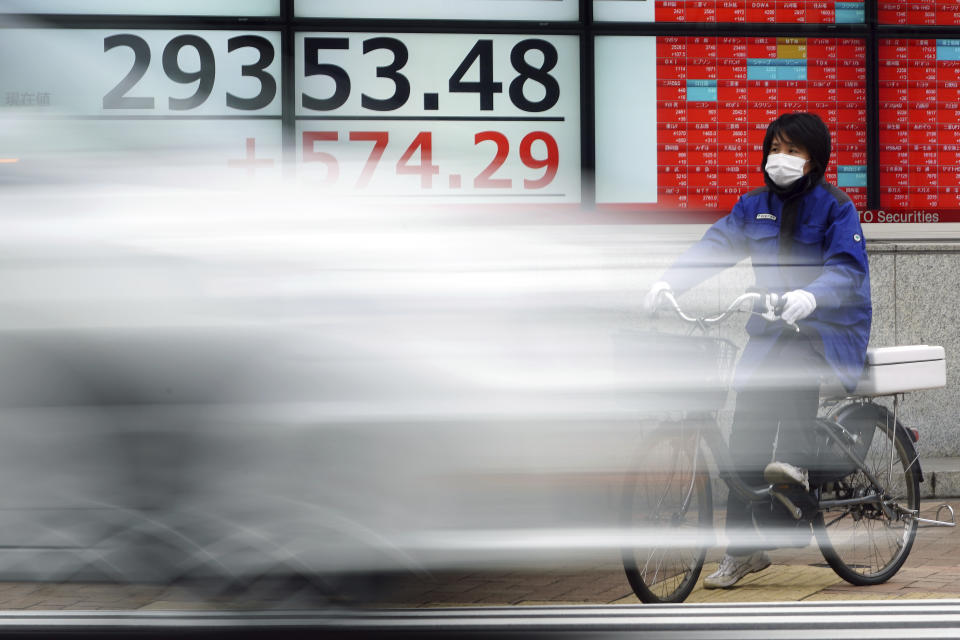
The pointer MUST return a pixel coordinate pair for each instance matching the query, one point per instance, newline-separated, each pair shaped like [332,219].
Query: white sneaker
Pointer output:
[785,473]
[733,568]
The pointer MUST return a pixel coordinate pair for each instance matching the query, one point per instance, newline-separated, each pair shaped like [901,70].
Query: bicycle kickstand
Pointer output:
[937,522]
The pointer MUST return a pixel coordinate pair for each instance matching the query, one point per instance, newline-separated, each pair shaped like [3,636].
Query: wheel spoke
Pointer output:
[838,519]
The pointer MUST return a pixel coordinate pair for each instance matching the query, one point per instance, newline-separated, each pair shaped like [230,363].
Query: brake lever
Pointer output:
[773,310]
[770,310]
[779,302]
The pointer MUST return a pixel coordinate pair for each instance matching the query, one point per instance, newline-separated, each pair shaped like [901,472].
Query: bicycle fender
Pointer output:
[873,411]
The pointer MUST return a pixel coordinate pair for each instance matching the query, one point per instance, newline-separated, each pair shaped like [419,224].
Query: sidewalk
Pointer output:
[932,571]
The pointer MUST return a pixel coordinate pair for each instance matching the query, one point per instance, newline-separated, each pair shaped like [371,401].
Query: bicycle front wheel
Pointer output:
[667,516]
[868,543]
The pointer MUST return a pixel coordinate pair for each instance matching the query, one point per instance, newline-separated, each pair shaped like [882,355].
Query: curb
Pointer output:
[941,478]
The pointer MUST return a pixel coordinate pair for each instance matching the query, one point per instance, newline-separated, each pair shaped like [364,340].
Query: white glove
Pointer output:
[797,305]
[653,295]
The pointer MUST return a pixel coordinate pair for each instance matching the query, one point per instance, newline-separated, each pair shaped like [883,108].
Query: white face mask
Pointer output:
[784,169]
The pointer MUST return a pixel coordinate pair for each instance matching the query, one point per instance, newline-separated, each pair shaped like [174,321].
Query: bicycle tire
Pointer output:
[668,541]
[861,543]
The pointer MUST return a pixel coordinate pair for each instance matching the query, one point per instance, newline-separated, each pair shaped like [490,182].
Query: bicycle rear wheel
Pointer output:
[868,543]
[668,515]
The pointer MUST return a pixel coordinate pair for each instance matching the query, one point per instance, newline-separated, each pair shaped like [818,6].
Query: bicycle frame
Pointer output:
[847,408]
[720,449]
[835,431]
[726,470]
[708,431]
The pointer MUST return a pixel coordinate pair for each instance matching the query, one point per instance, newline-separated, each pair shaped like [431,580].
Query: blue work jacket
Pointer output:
[827,258]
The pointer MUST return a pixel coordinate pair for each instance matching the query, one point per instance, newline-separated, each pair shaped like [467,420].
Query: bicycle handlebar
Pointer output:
[772,303]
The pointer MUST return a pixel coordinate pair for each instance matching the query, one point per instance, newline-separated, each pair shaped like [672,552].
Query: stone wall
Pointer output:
[916,295]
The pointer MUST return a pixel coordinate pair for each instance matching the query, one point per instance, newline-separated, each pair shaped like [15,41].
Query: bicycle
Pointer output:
[864,498]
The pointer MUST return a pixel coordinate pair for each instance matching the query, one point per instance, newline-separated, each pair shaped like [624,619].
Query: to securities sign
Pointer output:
[910,217]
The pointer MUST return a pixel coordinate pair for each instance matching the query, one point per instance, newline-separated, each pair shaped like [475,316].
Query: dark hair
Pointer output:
[806,130]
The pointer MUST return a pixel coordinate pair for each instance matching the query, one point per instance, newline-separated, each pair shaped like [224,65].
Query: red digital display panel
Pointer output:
[772,11]
[748,11]
[715,97]
[919,126]
[934,13]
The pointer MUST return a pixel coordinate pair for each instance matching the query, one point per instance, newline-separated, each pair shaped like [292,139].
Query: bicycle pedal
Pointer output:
[792,508]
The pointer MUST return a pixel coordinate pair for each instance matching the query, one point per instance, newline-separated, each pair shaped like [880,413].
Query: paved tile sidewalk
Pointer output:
[931,571]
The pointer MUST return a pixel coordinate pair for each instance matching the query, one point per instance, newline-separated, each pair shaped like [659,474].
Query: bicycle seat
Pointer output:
[900,369]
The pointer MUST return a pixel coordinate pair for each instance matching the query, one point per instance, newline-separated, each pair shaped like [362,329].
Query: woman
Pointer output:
[804,239]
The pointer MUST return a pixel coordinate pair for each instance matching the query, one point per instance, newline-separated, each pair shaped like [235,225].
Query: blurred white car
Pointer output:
[236,383]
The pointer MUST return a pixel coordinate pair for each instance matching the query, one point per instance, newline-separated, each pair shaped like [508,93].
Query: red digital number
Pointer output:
[551,162]
[484,180]
[426,169]
[379,140]
[537,150]
[310,154]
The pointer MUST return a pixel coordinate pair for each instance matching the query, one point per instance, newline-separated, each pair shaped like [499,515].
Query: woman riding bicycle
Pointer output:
[804,239]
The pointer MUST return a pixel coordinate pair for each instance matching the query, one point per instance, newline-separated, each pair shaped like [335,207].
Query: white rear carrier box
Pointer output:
[900,369]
